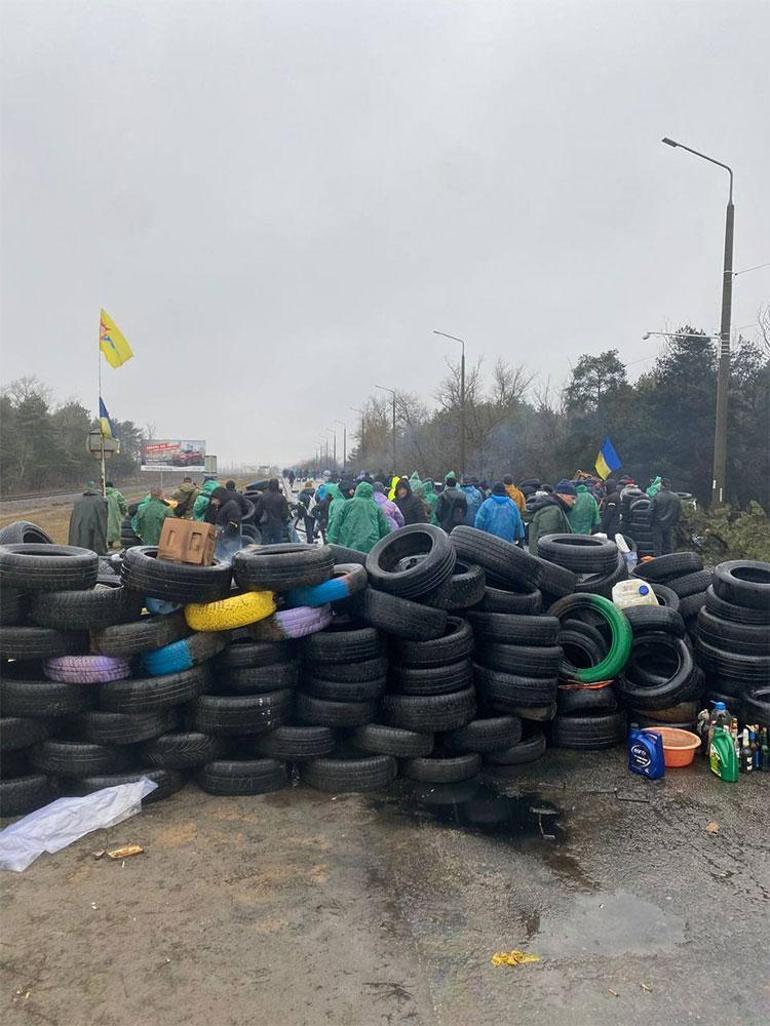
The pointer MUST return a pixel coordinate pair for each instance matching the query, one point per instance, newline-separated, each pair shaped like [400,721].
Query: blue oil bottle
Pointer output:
[645,753]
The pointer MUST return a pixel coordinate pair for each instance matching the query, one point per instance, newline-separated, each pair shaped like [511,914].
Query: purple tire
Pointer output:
[304,620]
[86,669]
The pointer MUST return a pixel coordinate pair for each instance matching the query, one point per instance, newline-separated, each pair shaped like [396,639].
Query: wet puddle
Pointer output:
[474,807]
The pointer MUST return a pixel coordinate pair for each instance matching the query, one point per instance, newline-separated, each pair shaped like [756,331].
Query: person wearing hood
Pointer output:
[337,495]
[551,516]
[224,509]
[514,493]
[473,499]
[360,522]
[185,497]
[271,512]
[584,515]
[610,511]
[117,508]
[452,505]
[426,491]
[393,514]
[499,515]
[204,495]
[149,517]
[305,500]
[412,507]
[88,521]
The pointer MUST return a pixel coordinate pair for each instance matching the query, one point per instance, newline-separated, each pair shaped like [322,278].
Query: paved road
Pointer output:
[300,908]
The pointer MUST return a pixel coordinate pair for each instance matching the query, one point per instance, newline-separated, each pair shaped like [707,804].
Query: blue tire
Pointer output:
[169,659]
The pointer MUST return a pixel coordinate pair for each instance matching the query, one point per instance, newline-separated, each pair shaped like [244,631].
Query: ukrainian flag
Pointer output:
[607,460]
[105,423]
[112,343]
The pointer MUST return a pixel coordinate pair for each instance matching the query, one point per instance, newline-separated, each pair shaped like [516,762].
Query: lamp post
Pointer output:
[393,396]
[355,409]
[723,375]
[344,442]
[333,431]
[454,338]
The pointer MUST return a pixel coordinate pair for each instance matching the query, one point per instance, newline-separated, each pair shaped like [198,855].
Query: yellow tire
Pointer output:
[225,614]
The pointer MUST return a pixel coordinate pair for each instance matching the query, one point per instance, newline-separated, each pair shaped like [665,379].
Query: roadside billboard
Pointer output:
[174,454]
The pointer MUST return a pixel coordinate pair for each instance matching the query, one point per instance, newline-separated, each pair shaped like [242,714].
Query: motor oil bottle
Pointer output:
[722,758]
[645,753]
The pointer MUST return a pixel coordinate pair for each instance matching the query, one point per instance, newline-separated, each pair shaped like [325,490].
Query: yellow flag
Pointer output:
[111,342]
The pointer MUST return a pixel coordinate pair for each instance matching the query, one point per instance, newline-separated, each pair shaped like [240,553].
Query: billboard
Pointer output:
[174,454]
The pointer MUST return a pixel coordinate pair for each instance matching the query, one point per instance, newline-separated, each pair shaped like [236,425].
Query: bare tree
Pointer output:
[763,320]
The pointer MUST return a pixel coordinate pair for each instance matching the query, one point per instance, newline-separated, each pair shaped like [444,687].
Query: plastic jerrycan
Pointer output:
[723,759]
[645,753]
[633,592]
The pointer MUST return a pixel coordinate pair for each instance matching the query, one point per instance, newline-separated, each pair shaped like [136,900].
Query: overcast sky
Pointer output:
[278,201]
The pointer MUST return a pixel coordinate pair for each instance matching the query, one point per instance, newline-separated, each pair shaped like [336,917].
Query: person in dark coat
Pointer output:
[452,505]
[88,521]
[610,511]
[271,513]
[551,516]
[412,507]
[666,508]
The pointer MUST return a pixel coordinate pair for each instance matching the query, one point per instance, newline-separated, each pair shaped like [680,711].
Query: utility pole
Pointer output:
[355,409]
[462,397]
[719,473]
[344,442]
[393,395]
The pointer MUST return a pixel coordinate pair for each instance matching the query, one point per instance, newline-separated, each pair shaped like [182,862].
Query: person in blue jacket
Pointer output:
[500,516]
[474,499]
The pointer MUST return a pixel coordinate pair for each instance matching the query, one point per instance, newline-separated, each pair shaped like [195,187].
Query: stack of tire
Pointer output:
[596,561]
[681,573]
[733,639]
[638,524]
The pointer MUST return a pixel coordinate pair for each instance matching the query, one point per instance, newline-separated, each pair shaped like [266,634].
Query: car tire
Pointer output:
[46,567]
[369,773]
[430,713]
[489,734]
[514,629]
[294,744]
[281,567]
[144,572]
[91,609]
[241,714]
[401,617]
[589,733]
[505,561]
[446,769]
[379,739]
[242,776]
[143,635]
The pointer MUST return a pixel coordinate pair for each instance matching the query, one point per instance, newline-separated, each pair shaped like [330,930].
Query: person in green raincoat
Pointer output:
[654,487]
[584,516]
[359,523]
[201,504]
[88,522]
[427,493]
[117,508]
[340,495]
[149,517]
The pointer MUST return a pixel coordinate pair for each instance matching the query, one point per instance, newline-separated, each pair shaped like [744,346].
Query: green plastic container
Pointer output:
[722,755]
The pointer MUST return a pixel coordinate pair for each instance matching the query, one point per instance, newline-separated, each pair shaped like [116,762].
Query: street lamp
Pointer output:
[333,431]
[355,409]
[344,442]
[454,338]
[723,377]
[393,395]
[677,334]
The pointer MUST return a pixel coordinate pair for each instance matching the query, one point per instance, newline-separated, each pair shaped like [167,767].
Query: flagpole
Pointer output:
[98,411]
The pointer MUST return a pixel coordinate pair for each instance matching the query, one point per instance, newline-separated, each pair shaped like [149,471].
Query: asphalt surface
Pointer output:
[307,908]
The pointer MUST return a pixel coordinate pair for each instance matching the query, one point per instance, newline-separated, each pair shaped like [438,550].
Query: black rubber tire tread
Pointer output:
[464,589]
[602,584]
[756,706]
[527,750]
[665,568]
[323,712]
[514,629]
[256,680]
[142,571]
[690,606]
[733,613]
[344,690]
[180,750]
[431,680]
[586,639]
[489,734]
[727,665]
[655,618]
[665,596]
[241,714]
[369,773]
[586,701]
[589,733]
[333,645]
[690,584]
[506,561]
[380,739]
[751,589]
[40,643]
[446,769]
[108,728]
[401,617]
[21,795]
[499,600]
[581,553]
[360,670]
[425,575]
[242,776]
[556,580]
[18,732]
[79,758]
[342,554]
[148,694]
[281,567]
[46,567]
[295,744]
[644,695]
[40,699]
[255,653]
[168,781]
[521,660]
[507,692]
[429,713]
[22,532]
[747,639]
[143,635]
[13,607]
[455,643]
[101,606]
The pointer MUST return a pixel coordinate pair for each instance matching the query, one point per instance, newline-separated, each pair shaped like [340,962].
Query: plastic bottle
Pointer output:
[633,592]
[631,557]
[722,758]
[719,717]
[747,758]
[645,753]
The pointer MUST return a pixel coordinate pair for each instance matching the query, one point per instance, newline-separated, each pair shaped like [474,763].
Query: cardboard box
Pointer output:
[187,541]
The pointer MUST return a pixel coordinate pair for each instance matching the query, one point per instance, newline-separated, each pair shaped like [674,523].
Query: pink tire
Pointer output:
[86,669]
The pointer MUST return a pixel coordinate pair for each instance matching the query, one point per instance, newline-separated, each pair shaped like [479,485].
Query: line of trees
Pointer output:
[663,423]
[43,444]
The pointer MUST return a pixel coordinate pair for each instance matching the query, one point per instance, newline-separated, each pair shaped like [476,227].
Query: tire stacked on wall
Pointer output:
[596,561]
[681,573]
[640,525]
[732,640]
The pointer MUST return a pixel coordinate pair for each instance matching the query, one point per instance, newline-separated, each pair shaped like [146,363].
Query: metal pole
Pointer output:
[462,414]
[335,449]
[104,468]
[394,434]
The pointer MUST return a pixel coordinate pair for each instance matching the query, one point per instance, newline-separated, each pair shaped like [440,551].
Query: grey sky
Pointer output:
[278,201]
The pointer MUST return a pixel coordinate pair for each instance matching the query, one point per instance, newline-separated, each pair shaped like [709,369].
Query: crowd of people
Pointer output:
[357,513]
